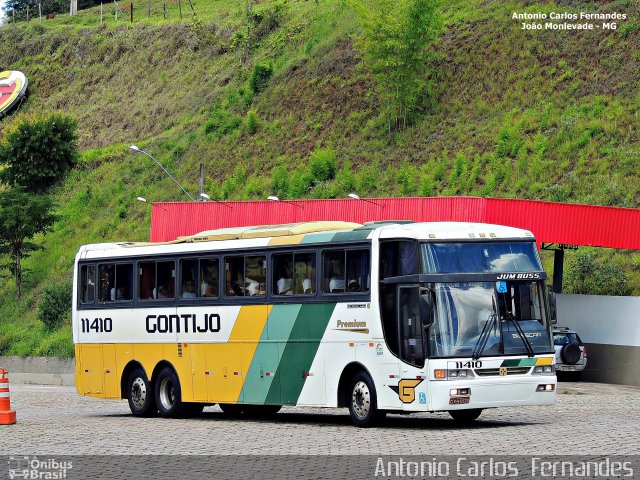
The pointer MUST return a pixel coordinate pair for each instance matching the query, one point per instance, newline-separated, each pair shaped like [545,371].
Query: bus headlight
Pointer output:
[544,370]
[451,374]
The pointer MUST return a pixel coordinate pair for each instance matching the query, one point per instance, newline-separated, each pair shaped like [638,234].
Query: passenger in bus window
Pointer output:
[162,292]
[353,286]
[189,290]
[307,286]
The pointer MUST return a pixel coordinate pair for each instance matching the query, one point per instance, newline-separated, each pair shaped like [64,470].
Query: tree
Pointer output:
[395,40]
[38,152]
[22,216]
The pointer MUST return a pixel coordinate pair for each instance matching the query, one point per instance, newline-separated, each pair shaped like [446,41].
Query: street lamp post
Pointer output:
[136,149]
[355,196]
[144,200]
[206,197]
[275,198]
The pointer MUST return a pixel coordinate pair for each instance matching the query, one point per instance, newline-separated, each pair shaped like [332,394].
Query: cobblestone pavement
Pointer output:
[586,419]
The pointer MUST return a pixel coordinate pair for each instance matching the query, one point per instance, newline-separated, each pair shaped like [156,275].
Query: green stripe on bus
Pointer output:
[511,362]
[299,353]
[261,373]
[519,362]
[351,236]
[317,238]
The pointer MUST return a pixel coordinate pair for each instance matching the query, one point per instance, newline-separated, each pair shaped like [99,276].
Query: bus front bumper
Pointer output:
[508,392]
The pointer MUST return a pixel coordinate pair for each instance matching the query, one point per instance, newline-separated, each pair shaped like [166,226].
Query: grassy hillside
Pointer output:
[542,115]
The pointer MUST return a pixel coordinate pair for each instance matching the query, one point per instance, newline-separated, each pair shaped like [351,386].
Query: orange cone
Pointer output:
[7,416]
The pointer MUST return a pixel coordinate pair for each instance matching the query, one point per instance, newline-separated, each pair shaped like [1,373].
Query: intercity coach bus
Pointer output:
[380,317]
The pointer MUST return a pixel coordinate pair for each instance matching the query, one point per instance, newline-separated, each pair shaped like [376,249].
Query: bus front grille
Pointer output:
[491,372]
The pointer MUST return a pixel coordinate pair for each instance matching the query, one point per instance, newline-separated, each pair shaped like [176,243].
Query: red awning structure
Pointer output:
[550,222]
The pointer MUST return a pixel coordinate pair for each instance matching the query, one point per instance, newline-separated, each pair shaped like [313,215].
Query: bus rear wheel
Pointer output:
[140,395]
[363,402]
[168,393]
[465,416]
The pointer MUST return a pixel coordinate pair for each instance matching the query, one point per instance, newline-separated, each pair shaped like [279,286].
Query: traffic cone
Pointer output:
[7,416]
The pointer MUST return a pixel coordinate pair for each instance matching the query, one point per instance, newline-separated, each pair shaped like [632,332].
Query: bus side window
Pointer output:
[398,258]
[123,289]
[106,276]
[305,273]
[283,274]
[357,271]
[156,280]
[209,277]
[87,283]
[255,275]
[234,276]
[333,280]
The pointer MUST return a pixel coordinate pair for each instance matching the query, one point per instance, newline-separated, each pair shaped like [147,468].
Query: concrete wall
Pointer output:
[610,328]
[39,370]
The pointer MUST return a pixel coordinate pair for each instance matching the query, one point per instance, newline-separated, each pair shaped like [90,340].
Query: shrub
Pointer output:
[251,122]
[260,76]
[55,305]
[322,163]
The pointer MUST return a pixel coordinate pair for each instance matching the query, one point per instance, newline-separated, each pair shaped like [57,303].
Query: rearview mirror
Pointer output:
[552,307]
[426,307]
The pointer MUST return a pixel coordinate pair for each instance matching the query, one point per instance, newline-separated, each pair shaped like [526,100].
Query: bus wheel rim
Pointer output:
[167,393]
[361,399]
[139,392]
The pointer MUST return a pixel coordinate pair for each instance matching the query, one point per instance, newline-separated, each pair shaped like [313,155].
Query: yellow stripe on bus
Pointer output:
[544,361]
[244,338]
[287,240]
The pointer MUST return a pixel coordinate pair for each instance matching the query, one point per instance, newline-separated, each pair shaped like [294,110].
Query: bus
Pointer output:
[383,317]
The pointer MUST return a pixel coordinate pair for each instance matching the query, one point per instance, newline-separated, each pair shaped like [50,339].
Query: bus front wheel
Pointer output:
[363,401]
[465,416]
[168,393]
[140,394]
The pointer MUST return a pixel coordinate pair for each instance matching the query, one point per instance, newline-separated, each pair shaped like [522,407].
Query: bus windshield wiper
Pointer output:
[523,337]
[484,335]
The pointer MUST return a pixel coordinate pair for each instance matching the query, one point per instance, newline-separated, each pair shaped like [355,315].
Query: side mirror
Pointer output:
[426,308]
[552,307]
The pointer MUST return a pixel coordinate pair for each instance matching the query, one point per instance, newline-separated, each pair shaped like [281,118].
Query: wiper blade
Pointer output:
[523,337]
[484,335]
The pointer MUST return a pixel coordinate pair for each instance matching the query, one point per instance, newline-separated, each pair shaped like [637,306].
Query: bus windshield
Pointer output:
[488,319]
[477,257]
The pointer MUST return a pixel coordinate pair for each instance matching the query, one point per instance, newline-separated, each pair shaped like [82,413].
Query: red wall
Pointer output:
[550,222]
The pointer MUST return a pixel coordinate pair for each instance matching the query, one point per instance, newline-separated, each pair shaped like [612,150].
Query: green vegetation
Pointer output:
[586,275]
[23,215]
[508,113]
[38,152]
[395,38]
[54,307]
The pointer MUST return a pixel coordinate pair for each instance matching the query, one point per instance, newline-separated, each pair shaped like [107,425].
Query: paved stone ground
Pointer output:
[587,419]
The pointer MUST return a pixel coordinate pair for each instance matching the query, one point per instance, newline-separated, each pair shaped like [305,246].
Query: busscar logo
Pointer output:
[528,335]
[406,389]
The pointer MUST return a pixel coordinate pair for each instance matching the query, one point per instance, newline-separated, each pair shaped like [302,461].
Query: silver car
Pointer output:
[571,354]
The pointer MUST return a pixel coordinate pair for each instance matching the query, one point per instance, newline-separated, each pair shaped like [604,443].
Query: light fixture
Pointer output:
[275,198]
[137,149]
[206,197]
[144,200]
[355,196]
